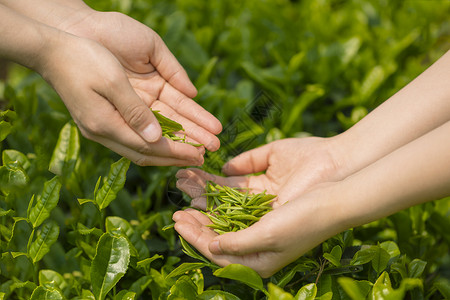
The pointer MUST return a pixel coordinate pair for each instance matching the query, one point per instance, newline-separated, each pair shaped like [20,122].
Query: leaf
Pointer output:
[391,248]
[443,286]
[122,225]
[183,288]
[243,274]
[277,293]
[191,252]
[83,201]
[140,285]
[12,178]
[416,268]
[45,292]
[66,151]
[15,158]
[114,182]
[380,259]
[334,256]
[45,203]
[307,292]
[47,236]
[356,290]
[146,262]
[5,129]
[184,268]
[216,295]
[109,264]
[50,276]
[125,295]
[364,256]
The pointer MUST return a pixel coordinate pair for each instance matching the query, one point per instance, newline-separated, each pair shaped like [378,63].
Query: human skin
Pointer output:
[157,79]
[389,161]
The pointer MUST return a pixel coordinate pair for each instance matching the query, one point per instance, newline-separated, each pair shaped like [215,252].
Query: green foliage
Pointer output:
[267,70]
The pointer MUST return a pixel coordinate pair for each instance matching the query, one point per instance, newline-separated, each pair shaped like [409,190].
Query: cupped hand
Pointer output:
[279,238]
[153,71]
[291,167]
[96,90]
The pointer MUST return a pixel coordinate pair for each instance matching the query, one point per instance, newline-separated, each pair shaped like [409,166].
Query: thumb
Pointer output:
[253,161]
[246,241]
[133,110]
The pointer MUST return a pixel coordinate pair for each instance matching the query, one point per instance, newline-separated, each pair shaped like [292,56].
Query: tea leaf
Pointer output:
[109,264]
[47,236]
[114,182]
[243,274]
[66,151]
[45,202]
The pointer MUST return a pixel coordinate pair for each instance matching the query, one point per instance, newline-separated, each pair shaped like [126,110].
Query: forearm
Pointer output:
[418,108]
[23,40]
[411,175]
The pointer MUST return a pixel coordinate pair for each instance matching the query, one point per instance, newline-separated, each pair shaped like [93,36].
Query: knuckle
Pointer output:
[141,162]
[136,116]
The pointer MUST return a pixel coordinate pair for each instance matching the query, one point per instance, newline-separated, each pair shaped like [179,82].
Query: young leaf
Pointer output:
[416,268]
[380,260]
[215,294]
[307,292]
[46,292]
[243,274]
[334,256]
[356,290]
[125,295]
[66,151]
[45,203]
[183,288]
[276,292]
[44,240]
[184,268]
[114,182]
[15,158]
[122,225]
[109,264]
[50,276]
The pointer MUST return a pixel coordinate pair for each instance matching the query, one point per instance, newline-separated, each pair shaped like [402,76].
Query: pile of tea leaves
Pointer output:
[232,209]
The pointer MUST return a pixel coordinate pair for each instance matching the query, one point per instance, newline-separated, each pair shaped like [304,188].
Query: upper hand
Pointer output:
[153,71]
[96,90]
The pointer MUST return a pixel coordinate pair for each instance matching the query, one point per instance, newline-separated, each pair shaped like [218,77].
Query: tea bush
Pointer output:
[79,222]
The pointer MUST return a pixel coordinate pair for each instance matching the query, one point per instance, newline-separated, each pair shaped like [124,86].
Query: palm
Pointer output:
[154,73]
[292,166]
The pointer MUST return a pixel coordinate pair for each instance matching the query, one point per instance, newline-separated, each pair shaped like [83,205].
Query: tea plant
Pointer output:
[79,222]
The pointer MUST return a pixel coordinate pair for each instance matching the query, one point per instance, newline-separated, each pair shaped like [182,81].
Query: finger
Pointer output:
[192,129]
[169,68]
[112,127]
[243,242]
[201,177]
[133,110]
[189,109]
[147,160]
[253,161]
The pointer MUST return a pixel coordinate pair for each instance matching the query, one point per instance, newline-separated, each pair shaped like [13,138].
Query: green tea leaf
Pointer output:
[53,277]
[45,238]
[183,288]
[334,256]
[114,182]
[277,293]
[184,268]
[122,225]
[5,129]
[216,295]
[307,292]
[12,178]
[125,295]
[356,290]
[416,268]
[15,158]
[380,259]
[66,151]
[243,274]
[109,264]
[45,202]
[44,292]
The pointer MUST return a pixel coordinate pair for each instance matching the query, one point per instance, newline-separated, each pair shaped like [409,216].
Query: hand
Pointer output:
[292,166]
[153,71]
[279,238]
[101,100]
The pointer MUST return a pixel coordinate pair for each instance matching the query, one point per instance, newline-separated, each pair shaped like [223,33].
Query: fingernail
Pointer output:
[151,133]
[214,247]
